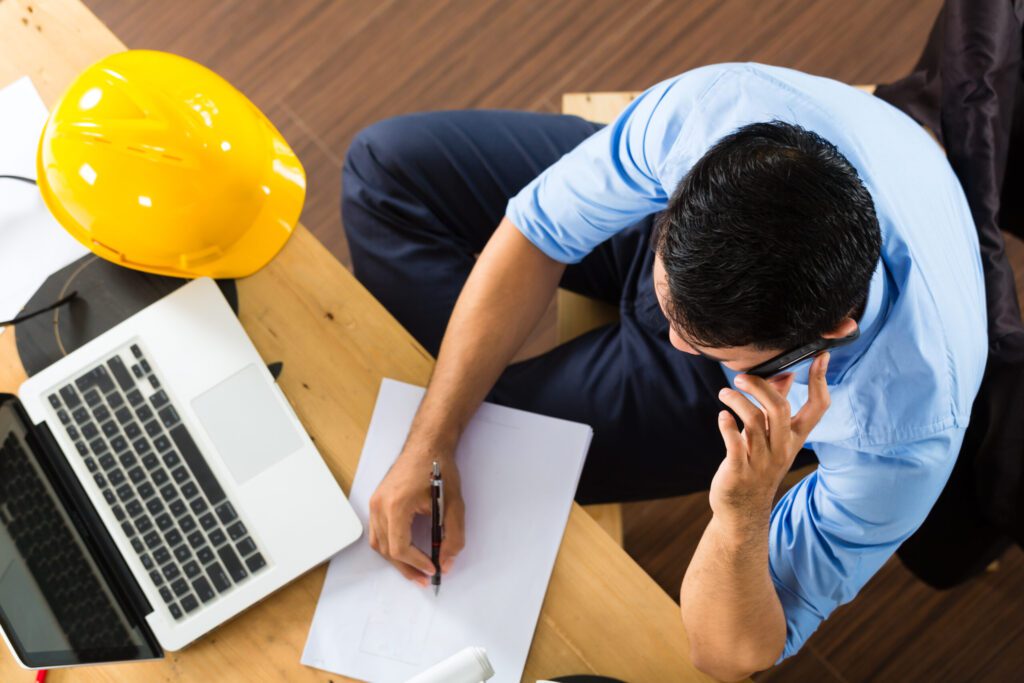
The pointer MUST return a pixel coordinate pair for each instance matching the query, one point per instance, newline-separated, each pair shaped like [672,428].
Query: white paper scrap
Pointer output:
[32,244]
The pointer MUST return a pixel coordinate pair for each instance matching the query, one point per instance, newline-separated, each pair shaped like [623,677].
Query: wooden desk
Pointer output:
[602,613]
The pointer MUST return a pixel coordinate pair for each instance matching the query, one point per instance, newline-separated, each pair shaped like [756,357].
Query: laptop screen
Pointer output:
[56,607]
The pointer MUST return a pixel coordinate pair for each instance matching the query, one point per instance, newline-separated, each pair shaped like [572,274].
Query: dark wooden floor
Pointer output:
[322,70]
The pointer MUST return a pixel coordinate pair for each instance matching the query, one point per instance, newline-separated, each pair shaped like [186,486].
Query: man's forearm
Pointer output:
[505,296]
[732,615]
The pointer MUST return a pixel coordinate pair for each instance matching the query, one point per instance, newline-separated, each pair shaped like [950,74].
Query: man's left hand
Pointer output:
[758,458]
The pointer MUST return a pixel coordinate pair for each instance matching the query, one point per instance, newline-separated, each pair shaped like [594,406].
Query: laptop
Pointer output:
[153,484]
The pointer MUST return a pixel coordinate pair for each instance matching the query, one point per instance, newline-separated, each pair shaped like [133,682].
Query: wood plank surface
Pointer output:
[602,613]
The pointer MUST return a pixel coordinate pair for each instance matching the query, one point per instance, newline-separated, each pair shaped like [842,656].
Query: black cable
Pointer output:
[19,177]
[56,304]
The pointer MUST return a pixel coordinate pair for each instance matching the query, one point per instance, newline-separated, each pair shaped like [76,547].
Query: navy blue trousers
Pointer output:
[422,194]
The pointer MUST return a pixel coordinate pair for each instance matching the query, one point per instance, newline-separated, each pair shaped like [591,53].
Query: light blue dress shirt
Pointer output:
[902,394]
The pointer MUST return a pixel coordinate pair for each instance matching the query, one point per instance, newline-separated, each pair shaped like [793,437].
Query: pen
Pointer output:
[436,524]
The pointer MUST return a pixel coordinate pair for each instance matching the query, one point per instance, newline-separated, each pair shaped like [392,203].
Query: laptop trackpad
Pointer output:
[247,423]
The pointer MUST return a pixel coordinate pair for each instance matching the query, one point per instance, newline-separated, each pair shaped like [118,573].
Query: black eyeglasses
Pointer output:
[56,304]
[788,359]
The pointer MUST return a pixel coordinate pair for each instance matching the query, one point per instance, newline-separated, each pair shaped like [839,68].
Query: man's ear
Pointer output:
[845,328]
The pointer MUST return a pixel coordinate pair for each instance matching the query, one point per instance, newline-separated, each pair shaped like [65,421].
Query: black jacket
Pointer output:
[967,88]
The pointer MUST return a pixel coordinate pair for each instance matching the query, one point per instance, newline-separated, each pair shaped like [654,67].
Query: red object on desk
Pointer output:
[41,676]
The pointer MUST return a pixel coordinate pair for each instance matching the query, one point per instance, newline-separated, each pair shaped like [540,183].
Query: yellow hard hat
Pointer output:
[156,163]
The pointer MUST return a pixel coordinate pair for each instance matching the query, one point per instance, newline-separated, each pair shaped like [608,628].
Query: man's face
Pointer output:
[739,358]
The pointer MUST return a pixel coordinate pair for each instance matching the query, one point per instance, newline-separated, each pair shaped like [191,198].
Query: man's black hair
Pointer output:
[770,240]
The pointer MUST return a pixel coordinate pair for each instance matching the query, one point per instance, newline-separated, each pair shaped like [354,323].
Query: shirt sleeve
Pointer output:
[832,531]
[612,179]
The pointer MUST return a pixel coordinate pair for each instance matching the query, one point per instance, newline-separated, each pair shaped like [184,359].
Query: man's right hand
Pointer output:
[402,495]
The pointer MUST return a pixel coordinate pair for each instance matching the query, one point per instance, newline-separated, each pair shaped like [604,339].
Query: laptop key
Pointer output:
[98,446]
[137,371]
[115,401]
[155,577]
[154,382]
[153,429]
[165,593]
[187,523]
[117,367]
[127,459]
[205,554]
[155,506]
[135,398]
[145,366]
[73,432]
[196,539]
[82,448]
[164,522]
[152,539]
[151,462]
[171,459]
[63,416]
[92,398]
[116,477]
[132,430]
[143,524]
[219,577]
[162,555]
[136,351]
[217,537]
[144,413]
[159,399]
[141,445]
[107,462]
[101,481]
[175,610]
[134,508]
[161,443]
[208,521]
[146,490]
[199,506]
[54,401]
[189,602]
[190,490]
[191,569]
[124,492]
[182,553]
[147,561]
[98,377]
[91,465]
[89,430]
[168,492]
[119,513]
[197,463]
[180,587]
[101,414]
[173,537]
[70,396]
[180,474]
[160,476]
[230,559]
[119,443]
[137,546]
[178,507]
[169,416]
[110,429]
[226,512]
[255,563]
[203,588]
[108,496]
[137,475]
[171,571]
[245,546]
[128,529]
[81,415]
[123,415]
[236,531]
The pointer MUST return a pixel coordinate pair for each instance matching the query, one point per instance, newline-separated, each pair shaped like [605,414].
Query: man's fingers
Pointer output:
[818,399]
[735,446]
[751,415]
[775,405]
[413,557]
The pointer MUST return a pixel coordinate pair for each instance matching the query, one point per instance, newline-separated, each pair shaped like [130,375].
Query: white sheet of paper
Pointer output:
[32,244]
[519,474]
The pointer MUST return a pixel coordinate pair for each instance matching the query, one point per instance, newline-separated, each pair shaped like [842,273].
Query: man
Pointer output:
[783,209]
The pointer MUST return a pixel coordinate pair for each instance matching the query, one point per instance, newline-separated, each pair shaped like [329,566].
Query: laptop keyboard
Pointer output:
[180,522]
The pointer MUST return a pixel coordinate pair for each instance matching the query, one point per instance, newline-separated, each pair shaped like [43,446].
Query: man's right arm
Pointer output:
[504,298]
